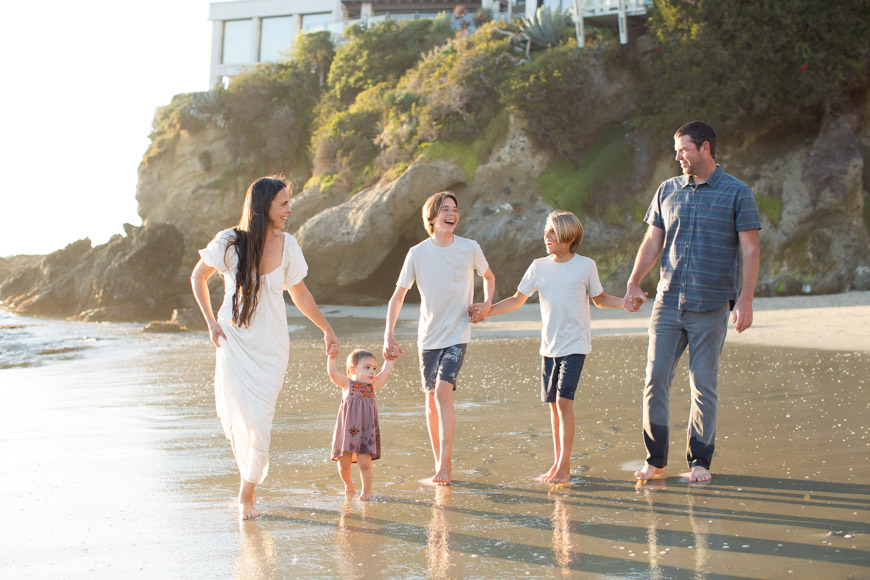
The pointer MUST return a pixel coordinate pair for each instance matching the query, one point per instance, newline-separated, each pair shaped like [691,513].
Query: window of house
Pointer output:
[276,36]
[238,36]
[312,22]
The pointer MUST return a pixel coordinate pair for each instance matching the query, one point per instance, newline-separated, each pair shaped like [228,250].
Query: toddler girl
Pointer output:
[357,436]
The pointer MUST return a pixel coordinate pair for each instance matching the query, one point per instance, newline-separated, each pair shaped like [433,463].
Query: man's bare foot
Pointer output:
[648,472]
[247,511]
[550,473]
[442,477]
[700,475]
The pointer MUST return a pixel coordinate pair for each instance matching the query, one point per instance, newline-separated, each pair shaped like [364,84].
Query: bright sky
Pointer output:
[81,82]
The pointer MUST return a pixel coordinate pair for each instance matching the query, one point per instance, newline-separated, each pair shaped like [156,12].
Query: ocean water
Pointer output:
[114,466]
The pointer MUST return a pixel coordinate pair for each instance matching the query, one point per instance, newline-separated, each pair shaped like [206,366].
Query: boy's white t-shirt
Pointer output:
[445,278]
[564,289]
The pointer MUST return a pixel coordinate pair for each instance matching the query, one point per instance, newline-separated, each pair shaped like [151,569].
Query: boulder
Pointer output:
[131,277]
[345,245]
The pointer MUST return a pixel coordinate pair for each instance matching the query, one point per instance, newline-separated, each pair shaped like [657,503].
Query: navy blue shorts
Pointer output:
[560,375]
[441,364]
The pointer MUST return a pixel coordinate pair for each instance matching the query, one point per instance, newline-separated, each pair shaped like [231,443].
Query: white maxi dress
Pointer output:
[251,363]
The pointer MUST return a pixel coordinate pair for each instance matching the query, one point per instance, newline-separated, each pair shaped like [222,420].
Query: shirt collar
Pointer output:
[712,182]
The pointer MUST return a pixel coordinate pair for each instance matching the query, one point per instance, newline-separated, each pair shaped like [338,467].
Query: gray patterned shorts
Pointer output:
[441,364]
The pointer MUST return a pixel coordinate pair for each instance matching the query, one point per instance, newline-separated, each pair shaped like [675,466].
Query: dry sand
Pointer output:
[829,322]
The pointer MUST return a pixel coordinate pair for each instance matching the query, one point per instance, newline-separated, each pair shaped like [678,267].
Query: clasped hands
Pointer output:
[634,298]
[479,311]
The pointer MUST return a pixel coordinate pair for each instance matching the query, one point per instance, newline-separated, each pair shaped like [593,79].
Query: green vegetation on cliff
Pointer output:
[746,64]
[397,90]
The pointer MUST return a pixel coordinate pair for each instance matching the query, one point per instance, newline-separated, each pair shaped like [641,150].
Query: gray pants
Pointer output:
[670,332]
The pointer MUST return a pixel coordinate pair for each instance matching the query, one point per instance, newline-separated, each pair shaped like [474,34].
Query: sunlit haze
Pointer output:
[81,82]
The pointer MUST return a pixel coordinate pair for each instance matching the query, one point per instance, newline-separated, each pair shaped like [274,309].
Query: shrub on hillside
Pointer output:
[744,62]
[382,52]
[270,108]
[459,84]
[558,92]
[344,144]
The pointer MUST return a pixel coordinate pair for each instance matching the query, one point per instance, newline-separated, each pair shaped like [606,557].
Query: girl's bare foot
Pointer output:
[700,475]
[648,472]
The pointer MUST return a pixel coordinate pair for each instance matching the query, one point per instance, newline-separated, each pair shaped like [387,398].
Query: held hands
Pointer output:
[479,311]
[634,298]
[214,332]
[392,350]
[331,343]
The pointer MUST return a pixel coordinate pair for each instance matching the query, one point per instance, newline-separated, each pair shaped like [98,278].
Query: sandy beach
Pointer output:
[114,465]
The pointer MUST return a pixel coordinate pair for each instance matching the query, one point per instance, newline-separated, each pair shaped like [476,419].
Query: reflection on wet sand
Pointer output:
[354,547]
[563,554]
[256,557]
[438,533]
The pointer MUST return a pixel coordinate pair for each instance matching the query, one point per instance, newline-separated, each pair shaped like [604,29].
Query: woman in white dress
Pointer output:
[257,262]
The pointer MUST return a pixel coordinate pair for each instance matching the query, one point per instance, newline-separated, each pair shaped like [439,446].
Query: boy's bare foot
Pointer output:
[700,475]
[648,472]
[550,473]
[247,511]
[561,476]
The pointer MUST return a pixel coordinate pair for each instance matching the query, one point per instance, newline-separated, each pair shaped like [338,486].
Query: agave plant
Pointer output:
[545,27]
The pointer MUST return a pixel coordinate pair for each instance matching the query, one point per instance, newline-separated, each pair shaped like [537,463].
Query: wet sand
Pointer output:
[114,464]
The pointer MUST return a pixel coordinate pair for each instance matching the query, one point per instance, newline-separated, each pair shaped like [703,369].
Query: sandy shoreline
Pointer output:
[826,322]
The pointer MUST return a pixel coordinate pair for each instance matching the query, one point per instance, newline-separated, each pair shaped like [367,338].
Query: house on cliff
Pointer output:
[245,32]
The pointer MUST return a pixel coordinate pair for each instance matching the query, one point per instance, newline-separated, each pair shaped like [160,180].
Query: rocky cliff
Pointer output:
[810,182]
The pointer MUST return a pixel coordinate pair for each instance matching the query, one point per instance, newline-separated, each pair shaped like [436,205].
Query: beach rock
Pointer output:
[163,327]
[346,244]
[190,318]
[817,241]
[128,278]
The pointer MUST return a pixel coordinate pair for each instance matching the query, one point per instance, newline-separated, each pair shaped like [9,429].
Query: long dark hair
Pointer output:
[250,239]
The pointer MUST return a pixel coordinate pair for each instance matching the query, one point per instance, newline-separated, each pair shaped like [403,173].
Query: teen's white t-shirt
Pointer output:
[564,289]
[445,278]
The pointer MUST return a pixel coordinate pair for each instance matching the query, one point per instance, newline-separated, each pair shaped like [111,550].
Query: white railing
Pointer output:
[606,7]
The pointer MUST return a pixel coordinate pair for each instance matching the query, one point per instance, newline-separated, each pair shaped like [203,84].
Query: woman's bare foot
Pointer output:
[247,511]
[550,473]
[700,475]
[648,472]
[365,496]
[349,490]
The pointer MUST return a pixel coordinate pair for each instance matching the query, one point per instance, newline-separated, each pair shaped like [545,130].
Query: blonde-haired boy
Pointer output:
[564,281]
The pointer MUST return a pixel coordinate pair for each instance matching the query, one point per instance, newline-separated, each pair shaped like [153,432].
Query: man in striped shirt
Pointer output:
[705,225]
